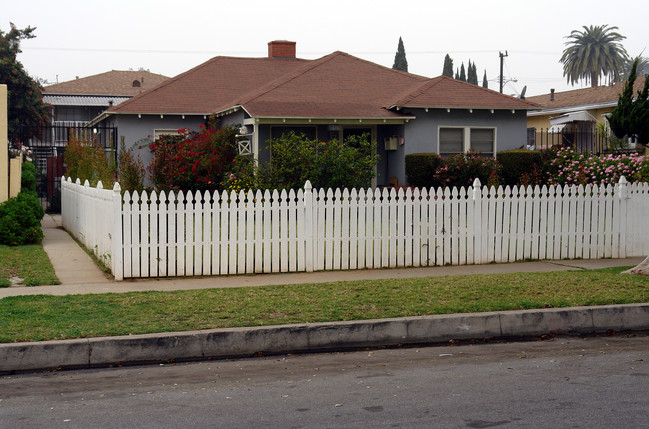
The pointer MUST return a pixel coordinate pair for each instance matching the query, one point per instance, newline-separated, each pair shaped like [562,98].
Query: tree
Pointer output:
[462,73]
[400,61]
[593,52]
[642,68]
[448,66]
[472,73]
[631,117]
[26,110]
[457,74]
[485,83]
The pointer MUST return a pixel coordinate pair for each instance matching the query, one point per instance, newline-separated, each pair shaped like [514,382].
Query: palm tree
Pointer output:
[593,52]
[642,68]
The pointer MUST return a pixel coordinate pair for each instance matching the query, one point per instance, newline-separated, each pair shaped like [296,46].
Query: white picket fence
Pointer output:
[211,233]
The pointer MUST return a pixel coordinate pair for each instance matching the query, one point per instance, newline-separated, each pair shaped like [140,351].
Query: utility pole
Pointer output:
[502,56]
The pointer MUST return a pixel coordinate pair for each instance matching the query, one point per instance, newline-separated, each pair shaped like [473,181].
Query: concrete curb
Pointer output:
[317,337]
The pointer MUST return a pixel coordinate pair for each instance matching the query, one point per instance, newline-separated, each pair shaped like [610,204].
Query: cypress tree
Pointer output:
[400,62]
[462,73]
[448,66]
[485,84]
[457,74]
[472,73]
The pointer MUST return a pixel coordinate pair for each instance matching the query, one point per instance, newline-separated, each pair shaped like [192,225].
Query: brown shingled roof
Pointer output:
[338,85]
[205,87]
[446,92]
[115,82]
[585,96]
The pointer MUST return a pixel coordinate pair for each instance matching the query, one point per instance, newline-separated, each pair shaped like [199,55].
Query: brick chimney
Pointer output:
[281,49]
[551,94]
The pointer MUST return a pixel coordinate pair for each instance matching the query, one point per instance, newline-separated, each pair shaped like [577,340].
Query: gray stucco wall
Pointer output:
[421,134]
[135,129]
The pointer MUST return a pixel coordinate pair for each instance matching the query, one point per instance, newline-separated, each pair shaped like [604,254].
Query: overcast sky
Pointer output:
[81,38]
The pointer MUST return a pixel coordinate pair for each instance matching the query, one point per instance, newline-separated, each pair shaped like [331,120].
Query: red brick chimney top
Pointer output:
[281,49]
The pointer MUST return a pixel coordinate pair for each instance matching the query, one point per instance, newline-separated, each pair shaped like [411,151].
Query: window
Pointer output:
[456,140]
[158,133]
[136,84]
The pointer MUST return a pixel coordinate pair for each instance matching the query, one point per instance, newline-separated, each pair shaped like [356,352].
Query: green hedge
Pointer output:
[421,169]
[28,177]
[20,220]
[519,165]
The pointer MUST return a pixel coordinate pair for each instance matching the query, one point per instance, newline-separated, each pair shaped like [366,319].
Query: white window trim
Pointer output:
[163,132]
[467,136]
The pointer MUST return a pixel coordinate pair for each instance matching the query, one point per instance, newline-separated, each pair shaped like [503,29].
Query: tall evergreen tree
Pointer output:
[462,73]
[457,74]
[400,61]
[448,66]
[472,73]
[631,117]
[485,83]
[26,110]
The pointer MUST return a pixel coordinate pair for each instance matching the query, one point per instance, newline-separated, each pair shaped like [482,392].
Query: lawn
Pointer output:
[28,262]
[42,317]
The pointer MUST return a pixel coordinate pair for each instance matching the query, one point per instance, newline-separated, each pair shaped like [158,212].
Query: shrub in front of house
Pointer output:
[334,164]
[194,160]
[569,167]
[462,169]
[20,220]
[521,167]
[28,177]
[421,168]
[86,159]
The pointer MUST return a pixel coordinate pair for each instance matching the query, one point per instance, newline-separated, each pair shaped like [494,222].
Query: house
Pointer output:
[331,97]
[76,102]
[574,116]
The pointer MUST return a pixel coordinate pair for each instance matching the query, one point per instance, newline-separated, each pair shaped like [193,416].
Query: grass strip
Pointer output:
[45,317]
[29,262]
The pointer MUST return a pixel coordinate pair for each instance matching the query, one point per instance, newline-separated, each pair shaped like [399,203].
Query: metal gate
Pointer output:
[48,151]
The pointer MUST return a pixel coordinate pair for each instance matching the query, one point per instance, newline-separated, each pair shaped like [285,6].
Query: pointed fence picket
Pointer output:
[220,233]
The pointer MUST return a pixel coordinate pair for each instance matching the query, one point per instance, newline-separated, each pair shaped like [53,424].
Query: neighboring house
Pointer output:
[575,114]
[79,101]
[331,97]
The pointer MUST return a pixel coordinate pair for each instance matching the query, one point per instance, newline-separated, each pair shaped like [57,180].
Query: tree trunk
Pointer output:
[594,79]
[641,269]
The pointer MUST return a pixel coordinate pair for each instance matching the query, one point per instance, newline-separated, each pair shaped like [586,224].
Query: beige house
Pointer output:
[574,117]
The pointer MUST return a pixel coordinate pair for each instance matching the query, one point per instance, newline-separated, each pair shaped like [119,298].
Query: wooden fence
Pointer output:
[211,233]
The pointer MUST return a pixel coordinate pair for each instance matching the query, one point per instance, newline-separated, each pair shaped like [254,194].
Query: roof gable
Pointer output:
[114,82]
[446,92]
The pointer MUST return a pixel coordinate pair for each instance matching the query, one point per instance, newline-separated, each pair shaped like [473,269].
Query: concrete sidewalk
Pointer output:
[79,275]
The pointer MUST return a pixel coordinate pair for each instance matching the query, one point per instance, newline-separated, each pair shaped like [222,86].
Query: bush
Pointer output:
[569,167]
[334,164]
[131,171]
[193,160]
[20,220]
[87,160]
[28,177]
[421,169]
[520,166]
[462,169]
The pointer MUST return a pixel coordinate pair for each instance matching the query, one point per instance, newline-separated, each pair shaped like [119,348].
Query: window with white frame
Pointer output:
[158,133]
[456,140]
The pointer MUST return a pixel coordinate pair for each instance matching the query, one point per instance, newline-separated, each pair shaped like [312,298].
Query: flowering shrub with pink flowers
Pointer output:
[569,167]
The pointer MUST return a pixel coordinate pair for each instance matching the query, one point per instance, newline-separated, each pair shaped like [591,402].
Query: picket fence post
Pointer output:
[622,194]
[117,253]
[308,226]
[477,223]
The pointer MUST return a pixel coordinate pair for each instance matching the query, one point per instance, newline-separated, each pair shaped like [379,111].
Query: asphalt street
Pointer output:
[591,382]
